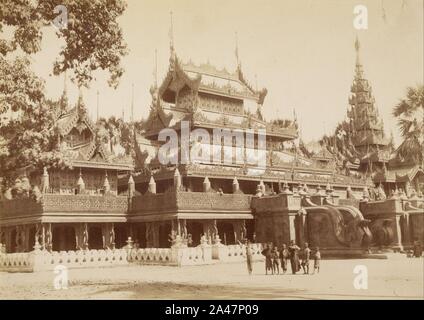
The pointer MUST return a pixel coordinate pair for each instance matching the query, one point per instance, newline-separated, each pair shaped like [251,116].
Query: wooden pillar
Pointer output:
[49,237]
[28,241]
[155,235]
[149,235]
[43,237]
[406,236]
[105,235]
[398,230]
[79,235]
[292,226]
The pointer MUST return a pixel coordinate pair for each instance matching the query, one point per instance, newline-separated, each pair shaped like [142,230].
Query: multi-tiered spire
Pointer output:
[365,123]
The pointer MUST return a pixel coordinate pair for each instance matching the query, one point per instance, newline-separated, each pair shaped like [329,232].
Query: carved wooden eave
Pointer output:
[70,120]
[157,119]
[261,94]
[176,78]
[102,165]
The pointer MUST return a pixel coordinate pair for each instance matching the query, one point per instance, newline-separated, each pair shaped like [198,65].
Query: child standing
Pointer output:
[317,259]
[275,261]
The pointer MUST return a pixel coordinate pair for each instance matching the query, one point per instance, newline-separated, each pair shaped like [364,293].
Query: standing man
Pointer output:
[275,260]
[249,257]
[294,257]
[284,255]
[267,252]
[306,256]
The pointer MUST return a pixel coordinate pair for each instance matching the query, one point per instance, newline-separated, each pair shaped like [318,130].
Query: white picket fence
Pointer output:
[176,256]
[237,252]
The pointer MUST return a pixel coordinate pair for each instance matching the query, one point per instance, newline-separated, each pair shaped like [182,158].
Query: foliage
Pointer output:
[410,114]
[92,41]
[117,131]
[93,38]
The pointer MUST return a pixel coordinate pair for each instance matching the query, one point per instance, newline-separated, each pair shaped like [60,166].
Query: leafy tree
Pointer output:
[410,114]
[92,41]
[117,131]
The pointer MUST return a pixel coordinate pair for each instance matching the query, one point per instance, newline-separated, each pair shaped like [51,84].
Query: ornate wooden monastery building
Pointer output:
[101,199]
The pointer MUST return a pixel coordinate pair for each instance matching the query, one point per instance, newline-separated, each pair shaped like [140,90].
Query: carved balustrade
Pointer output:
[63,203]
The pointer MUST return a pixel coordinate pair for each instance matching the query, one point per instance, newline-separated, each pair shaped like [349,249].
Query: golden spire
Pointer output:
[236,51]
[156,68]
[171,34]
[357,47]
[132,103]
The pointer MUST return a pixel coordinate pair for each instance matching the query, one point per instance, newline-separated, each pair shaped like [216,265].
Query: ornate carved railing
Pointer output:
[162,256]
[19,207]
[213,201]
[78,203]
[237,252]
[16,262]
[44,260]
[189,200]
[153,202]
[389,206]
[63,203]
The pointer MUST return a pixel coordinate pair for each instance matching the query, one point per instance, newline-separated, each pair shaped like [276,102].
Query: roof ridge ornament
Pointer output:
[357,47]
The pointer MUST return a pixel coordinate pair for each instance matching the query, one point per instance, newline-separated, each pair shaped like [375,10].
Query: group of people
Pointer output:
[299,258]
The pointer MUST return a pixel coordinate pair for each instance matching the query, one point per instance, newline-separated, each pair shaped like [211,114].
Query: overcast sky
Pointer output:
[302,51]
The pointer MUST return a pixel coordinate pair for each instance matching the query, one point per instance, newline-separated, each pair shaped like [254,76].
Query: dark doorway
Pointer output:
[95,238]
[63,238]
[226,232]
[164,232]
[12,247]
[69,243]
[31,240]
[250,229]
[196,230]
[140,234]
[120,235]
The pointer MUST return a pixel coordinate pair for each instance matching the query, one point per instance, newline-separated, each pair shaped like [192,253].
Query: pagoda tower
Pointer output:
[366,126]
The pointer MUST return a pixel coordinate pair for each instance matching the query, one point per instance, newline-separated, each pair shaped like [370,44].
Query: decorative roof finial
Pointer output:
[64,99]
[171,35]
[80,103]
[132,103]
[236,51]
[97,115]
[156,68]
[357,47]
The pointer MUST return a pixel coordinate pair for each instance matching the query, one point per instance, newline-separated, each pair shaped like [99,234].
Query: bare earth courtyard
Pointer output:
[397,277]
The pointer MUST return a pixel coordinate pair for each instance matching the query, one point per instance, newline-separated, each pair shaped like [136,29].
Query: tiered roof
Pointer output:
[367,128]
[209,97]
[91,153]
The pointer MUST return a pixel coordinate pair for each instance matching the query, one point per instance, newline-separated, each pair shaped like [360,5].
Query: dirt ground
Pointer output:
[397,277]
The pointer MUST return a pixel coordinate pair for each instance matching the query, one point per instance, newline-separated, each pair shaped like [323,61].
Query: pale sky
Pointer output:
[302,51]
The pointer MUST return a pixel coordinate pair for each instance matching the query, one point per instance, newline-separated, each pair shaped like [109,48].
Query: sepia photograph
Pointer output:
[211,150]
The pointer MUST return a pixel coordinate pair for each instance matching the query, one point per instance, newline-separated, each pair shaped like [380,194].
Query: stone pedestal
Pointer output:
[219,252]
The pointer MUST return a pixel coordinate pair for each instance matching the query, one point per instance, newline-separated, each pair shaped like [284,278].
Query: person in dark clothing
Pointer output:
[418,250]
[267,252]
[284,255]
[294,257]
[249,257]
[275,261]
